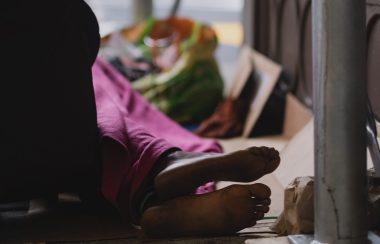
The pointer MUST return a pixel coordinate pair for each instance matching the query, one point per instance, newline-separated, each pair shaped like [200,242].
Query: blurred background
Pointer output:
[225,16]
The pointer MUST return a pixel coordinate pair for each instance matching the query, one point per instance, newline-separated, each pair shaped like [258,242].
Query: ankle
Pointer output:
[166,159]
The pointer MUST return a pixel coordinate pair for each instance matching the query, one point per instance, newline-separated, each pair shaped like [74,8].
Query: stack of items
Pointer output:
[171,63]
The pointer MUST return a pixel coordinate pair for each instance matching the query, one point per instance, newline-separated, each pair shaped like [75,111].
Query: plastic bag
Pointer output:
[190,85]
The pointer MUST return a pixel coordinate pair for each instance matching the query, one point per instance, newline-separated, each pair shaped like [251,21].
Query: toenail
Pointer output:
[259,215]
[266,201]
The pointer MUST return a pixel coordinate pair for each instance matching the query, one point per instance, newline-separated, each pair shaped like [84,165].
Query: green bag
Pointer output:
[190,90]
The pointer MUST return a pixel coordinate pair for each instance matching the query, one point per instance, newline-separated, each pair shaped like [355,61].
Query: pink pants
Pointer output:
[133,136]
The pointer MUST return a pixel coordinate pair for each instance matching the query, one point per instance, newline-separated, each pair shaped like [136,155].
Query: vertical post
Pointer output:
[339,106]
[249,22]
[142,9]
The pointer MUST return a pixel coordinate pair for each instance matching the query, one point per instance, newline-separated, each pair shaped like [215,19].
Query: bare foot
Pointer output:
[184,172]
[222,212]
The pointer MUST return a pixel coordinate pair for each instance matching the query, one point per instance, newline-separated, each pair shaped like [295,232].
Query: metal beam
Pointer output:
[141,10]
[340,121]
[248,20]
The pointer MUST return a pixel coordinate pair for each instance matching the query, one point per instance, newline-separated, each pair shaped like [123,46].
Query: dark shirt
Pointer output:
[48,117]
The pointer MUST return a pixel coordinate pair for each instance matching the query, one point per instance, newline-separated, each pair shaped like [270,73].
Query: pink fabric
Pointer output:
[134,135]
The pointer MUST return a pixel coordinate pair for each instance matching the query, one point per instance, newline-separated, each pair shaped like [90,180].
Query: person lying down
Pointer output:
[155,181]
[77,125]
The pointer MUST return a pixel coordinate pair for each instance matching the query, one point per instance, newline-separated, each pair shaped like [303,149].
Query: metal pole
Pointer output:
[248,19]
[142,9]
[339,107]
[174,10]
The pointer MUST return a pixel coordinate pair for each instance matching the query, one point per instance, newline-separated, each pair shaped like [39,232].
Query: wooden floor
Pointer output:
[70,222]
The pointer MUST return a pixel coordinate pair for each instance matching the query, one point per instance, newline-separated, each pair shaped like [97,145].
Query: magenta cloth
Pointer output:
[134,135]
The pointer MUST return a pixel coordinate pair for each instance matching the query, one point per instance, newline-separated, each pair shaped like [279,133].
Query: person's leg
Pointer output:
[143,113]
[133,159]
[181,172]
[222,212]
[137,165]
[110,84]
[172,211]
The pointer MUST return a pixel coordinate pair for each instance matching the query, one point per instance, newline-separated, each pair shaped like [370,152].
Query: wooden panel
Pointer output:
[274,13]
[305,85]
[260,26]
[283,32]
[289,40]
[373,57]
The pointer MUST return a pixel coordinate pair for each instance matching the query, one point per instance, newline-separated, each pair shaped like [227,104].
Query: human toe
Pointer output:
[261,209]
[259,191]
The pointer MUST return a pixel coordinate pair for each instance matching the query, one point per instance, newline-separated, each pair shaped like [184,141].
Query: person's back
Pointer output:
[48,117]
